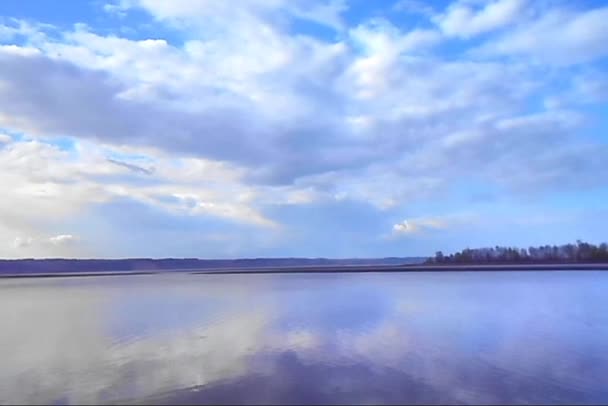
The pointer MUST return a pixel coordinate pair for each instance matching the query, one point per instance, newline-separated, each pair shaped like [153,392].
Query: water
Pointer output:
[477,337]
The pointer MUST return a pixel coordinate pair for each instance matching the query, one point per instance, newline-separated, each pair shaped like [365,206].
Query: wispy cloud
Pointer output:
[132,167]
[5,138]
[417,225]
[61,240]
[557,36]
[464,19]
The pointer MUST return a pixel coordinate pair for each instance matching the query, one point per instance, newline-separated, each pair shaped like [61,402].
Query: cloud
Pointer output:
[361,110]
[114,119]
[132,167]
[586,88]
[414,7]
[417,225]
[516,154]
[115,9]
[447,223]
[463,20]
[328,14]
[48,244]
[5,138]
[259,109]
[557,36]
[22,242]
[62,239]
[228,126]
[11,28]
[47,187]
[193,13]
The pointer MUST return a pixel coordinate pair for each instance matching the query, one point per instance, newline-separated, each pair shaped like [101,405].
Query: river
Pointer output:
[453,337]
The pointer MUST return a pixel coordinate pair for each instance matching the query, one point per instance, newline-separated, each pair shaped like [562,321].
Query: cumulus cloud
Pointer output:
[236,123]
[376,112]
[114,119]
[46,187]
[51,183]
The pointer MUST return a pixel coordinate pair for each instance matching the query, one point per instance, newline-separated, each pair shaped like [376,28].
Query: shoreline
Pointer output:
[326,269]
[415,268]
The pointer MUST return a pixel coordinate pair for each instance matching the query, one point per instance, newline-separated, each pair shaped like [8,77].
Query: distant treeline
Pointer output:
[579,252]
[52,266]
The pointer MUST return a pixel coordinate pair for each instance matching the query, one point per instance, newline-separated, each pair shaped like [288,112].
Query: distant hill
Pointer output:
[51,266]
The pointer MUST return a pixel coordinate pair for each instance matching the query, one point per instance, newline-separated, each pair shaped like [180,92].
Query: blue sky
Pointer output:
[328,128]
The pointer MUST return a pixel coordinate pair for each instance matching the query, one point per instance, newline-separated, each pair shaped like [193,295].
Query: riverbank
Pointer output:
[416,268]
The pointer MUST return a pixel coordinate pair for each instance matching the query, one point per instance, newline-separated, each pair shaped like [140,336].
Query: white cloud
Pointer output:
[5,138]
[328,14]
[62,239]
[22,242]
[302,196]
[200,13]
[588,87]
[461,19]
[45,186]
[19,50]
[557,120]
[558,36]
[57,245]
[425,224]
[377,77]
[115,9]
[42,185]
[247,113]
[13,27]
[419,224]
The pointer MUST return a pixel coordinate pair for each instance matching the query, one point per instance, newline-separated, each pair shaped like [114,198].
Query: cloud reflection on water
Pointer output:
[299,339]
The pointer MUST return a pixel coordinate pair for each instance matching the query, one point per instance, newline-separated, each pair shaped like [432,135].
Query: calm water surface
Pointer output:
[482,337]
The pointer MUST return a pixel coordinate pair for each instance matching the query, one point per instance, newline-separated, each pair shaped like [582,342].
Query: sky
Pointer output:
[319,128]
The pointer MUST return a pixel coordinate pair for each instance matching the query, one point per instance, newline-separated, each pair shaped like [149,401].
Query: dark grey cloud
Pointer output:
[43,96]
[50,97]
